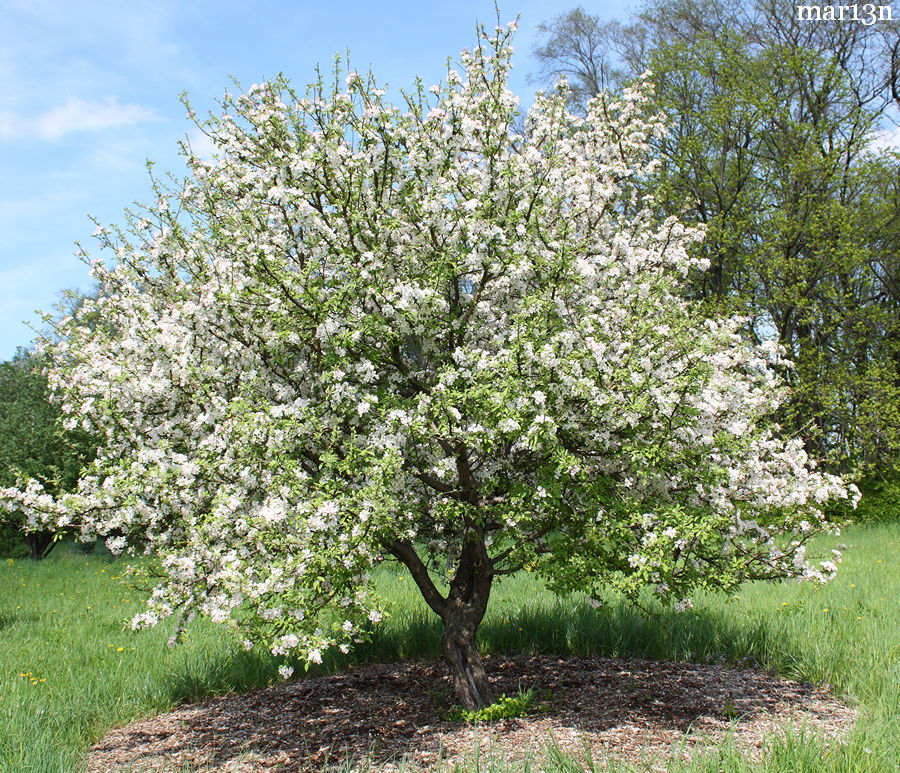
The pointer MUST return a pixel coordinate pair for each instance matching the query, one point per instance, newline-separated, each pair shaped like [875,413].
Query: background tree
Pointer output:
[367,332]
[582,49]
[770,149]
[33,443]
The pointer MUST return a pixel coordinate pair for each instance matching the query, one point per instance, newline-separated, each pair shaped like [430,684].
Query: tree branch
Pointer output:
[406,554]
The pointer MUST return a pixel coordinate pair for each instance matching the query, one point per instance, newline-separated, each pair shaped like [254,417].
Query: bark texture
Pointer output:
[461,612]
[470,682]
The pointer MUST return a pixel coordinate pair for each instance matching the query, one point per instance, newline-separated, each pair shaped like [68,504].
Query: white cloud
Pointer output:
[201,144]
[79,115]
[7,126]
[886,139]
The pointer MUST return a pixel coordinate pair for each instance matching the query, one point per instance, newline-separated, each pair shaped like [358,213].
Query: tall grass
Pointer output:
[70,667]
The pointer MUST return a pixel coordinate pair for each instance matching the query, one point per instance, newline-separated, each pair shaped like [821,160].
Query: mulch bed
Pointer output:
[633,710]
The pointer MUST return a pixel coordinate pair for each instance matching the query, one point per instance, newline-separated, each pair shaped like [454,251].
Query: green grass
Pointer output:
[64,621]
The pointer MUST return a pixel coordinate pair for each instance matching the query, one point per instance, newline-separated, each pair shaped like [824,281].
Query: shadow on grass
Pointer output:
[567,628]
[560,628]
[564,627]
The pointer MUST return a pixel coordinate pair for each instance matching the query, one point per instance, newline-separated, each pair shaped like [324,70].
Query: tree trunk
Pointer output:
[40,543]
[470,682]
[461,612]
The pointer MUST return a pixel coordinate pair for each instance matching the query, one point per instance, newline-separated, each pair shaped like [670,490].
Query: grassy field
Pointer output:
[70,667]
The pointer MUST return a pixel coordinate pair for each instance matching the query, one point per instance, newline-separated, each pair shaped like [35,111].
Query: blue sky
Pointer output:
[89,91]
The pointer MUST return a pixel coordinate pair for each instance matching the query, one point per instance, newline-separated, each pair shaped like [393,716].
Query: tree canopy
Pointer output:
[770,148]
[33,443]
[364,331]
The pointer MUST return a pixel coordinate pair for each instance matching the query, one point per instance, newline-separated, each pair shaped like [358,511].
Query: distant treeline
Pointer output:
[780,145]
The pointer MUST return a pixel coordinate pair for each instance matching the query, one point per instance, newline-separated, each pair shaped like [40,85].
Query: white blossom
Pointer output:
[364,327]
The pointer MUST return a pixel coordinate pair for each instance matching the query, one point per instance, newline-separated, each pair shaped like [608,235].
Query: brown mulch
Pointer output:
[378,715]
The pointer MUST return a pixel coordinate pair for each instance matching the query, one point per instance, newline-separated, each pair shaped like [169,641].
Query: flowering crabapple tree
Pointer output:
[364,331]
